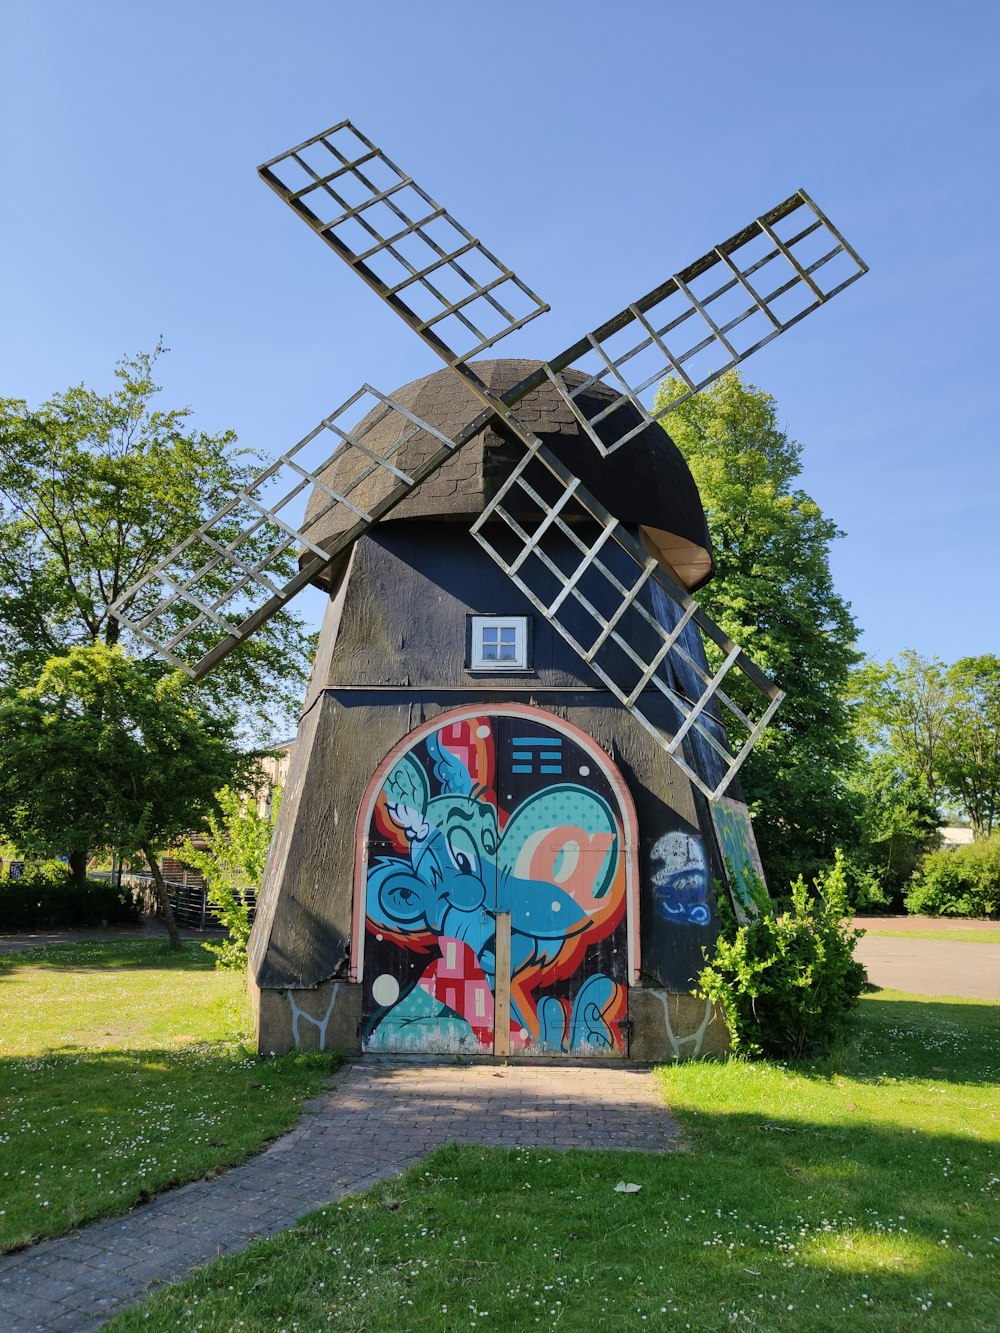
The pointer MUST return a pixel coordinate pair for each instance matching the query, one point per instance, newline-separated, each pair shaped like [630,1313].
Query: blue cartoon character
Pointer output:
[554,866]
[680,879]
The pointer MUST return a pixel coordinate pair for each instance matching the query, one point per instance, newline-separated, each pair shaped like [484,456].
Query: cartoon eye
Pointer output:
[463,852]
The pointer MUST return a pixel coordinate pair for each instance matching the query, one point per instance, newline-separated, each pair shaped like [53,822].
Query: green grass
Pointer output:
[860,1193]
[124,1069]
[988,935]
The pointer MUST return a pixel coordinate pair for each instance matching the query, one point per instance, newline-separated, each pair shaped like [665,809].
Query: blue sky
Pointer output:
[594,147]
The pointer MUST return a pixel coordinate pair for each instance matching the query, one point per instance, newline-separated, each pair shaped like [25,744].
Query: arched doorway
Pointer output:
[495,890]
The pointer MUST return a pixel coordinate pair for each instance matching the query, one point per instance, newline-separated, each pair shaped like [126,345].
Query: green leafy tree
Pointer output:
[969,751]
[900,826]
[938,725]
[773,593]
[236,840]
[106,751]
[95,489]
[901,710]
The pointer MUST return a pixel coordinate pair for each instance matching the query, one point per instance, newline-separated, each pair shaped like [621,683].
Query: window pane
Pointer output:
[498,641]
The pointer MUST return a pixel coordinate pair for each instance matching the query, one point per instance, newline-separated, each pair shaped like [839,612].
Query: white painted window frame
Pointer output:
[478,626]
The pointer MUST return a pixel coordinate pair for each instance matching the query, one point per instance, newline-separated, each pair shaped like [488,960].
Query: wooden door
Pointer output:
[495,887]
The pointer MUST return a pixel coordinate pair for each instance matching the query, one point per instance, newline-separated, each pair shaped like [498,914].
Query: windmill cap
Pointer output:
[645,483]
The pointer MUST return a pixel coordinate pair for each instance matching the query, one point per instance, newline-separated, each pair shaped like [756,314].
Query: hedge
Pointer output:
[960,881]
[45,899]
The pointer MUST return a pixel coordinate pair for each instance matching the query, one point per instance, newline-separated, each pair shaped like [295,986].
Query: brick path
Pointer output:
[381,1116]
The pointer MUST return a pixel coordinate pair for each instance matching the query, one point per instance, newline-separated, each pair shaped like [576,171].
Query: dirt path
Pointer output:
[150,928]
[919,923]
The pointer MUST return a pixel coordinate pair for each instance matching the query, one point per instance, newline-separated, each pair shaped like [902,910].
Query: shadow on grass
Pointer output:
[771,1223]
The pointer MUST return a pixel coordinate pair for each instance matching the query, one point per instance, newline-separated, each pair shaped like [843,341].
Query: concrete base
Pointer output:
[665,1025]
[324,1018]
[670,1026]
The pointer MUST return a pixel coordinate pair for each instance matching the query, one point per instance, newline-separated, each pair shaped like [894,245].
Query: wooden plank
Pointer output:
[501,998]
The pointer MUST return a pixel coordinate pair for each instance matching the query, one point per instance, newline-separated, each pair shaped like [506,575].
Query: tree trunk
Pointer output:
[161,893]
[78,869]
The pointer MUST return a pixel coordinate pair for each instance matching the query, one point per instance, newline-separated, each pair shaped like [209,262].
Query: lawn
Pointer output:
[984,935]
[124,1069]
[860,1193]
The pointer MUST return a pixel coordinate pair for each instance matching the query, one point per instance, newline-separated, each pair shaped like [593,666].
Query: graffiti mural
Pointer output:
[303,1020]
[738,849]
[679,917]
[495,885]
[680,879]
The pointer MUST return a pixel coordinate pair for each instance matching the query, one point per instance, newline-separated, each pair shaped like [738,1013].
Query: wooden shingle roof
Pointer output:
[646,483]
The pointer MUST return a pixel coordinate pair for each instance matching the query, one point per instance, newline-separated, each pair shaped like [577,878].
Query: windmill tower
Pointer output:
[515,780]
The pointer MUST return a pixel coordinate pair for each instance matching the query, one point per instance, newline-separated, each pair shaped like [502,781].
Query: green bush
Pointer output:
[787,985]
[960,881]
[869,889]
[51,874]
[46,899]
[233,859]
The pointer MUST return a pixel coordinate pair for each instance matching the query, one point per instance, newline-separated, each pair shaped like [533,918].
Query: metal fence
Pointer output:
[188,898]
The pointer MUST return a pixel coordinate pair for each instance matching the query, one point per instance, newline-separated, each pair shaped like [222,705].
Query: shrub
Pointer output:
[963,881]
[46,899]
[237,841]
[869,889]
[51,874]
[787,985]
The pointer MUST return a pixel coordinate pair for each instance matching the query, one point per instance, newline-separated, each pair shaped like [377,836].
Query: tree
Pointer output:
[900,826]
[236,844]
[773,593]
[902,711]
[969,752]
[106,751]
[94,491]
[939,725]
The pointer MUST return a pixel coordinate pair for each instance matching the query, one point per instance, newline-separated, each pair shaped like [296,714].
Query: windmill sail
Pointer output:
[579,565]
[452,291]
[594,582]
[709,317]
[239,568]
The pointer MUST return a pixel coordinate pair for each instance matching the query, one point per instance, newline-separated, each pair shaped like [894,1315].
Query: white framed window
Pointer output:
[498,643]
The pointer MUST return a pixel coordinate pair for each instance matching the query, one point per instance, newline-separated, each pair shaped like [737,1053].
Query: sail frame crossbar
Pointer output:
[187,596]
[678,329]
[238,568]
[432,271]
[499,521]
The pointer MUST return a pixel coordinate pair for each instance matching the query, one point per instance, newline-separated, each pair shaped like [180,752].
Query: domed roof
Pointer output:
[645,483]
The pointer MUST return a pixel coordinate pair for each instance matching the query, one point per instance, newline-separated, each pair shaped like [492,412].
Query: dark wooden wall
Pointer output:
[392,654]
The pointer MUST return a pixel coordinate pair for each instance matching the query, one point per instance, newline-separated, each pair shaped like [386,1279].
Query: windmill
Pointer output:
[475,917]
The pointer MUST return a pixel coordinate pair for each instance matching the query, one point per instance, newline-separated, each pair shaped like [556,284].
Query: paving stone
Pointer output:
[381,1117]
[67,1322]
